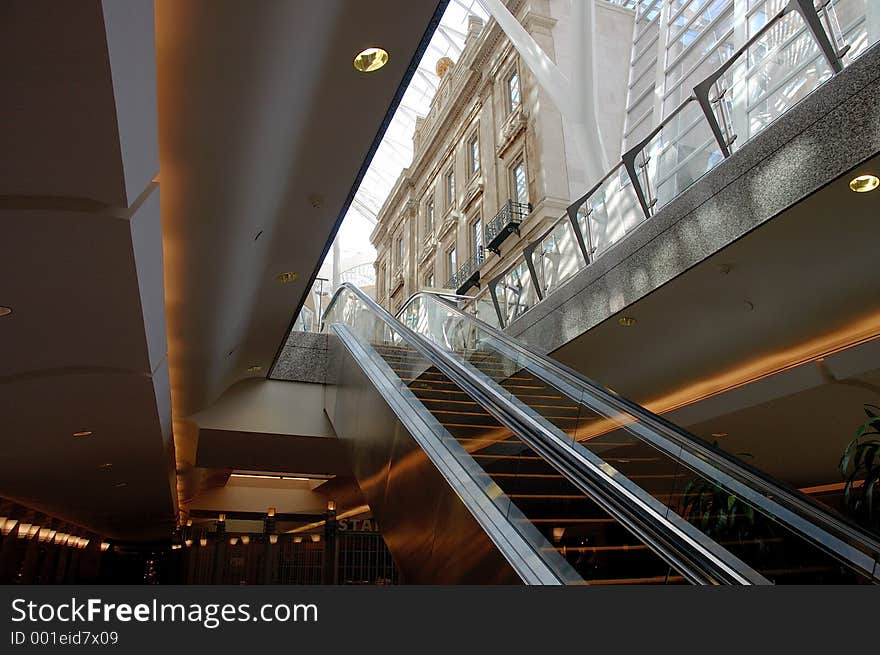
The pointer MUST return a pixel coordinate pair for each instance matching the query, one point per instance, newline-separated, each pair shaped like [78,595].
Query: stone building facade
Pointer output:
[490,169]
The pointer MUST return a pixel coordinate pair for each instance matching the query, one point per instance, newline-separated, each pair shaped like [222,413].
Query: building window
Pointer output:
[474,154]
[450,189]
[429,217]
[513,91]
[398,251]
[380,284]
[450,261]
[476,236]
[519,186]
[429,279]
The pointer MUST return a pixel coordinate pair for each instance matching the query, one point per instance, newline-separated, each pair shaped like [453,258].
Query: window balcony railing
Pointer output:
[505,223]
[468,274]
[788,57]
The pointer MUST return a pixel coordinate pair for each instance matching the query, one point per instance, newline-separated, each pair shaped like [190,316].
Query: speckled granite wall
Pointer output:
[303,359]
[828,133]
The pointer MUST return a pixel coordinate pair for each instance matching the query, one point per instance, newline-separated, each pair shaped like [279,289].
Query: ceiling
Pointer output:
[84,347]
[257,125]
[264,125]
[798,288]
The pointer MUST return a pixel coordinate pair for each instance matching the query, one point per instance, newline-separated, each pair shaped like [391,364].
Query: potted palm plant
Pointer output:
[860,468]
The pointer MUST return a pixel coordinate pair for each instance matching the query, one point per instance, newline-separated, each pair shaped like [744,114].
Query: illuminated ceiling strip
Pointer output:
[267,476]
[347,514]
[825,488]
[857,333]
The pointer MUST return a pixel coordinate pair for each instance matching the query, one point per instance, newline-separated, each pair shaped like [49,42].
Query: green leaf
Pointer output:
[731,501]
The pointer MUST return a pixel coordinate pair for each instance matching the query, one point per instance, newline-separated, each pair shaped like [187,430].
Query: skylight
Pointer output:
[353,249]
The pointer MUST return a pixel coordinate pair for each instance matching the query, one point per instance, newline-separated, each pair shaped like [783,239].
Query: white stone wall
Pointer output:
[473,98]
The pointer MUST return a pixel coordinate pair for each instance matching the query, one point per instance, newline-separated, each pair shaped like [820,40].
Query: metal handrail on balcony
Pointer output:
[505,222]
[468,274]
[657,169]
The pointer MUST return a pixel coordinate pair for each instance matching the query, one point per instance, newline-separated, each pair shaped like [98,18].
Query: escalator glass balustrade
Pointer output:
[786,542]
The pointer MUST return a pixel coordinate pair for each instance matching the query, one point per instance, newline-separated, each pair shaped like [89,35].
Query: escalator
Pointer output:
[571,524]
[566,483]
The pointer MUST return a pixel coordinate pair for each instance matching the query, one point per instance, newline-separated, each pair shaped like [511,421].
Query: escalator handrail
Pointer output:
[837,529]
[698,558]
[529,563]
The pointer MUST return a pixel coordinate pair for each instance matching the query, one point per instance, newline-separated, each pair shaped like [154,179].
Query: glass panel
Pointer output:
[703,34]
[683,151]
[642,84]
[520,184]
[852,23]
[482,308]
[516,293]
[773,74]
[557,257]
[699,62]
[513,93]
[644,64]
[610,212]
[305,320]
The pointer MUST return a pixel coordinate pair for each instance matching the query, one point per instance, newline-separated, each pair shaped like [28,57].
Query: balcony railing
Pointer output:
[786,58]
[468,274]
[505,223]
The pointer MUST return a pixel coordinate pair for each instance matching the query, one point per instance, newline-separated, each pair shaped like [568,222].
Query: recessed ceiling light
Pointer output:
[864,183]
[371,59]
[121,484]
[719,434]
[626,321]
[254,369]
[284,278]
[107,465]
[5,311]
[83,433]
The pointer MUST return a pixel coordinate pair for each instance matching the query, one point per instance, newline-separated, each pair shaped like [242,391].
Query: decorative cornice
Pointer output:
[473,191]
[397,280]
[513,126]
[450,222]
[429,247]
[533,21]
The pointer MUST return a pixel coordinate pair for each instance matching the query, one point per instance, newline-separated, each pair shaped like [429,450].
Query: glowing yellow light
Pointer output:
[371,59]
[864,183]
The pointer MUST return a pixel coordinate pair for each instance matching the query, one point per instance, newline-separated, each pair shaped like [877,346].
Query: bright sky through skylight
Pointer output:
[395,151]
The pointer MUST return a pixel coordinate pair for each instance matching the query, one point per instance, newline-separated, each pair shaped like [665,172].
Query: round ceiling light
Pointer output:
[371,59]
[864,183]
[5,311]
